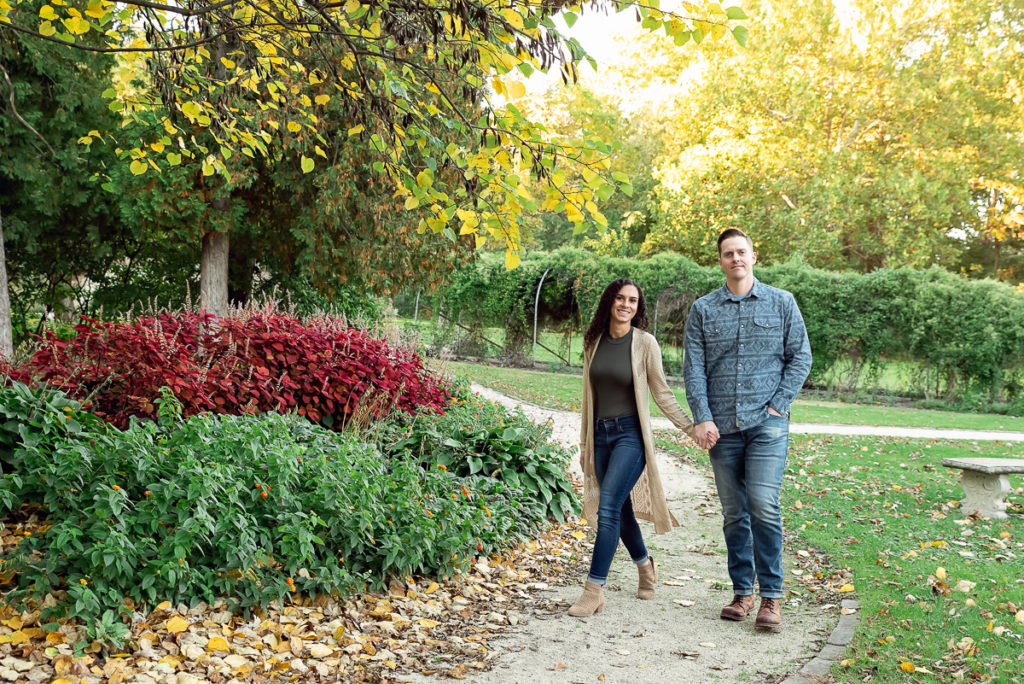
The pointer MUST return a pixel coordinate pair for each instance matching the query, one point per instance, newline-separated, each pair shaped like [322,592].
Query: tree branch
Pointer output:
[20,117]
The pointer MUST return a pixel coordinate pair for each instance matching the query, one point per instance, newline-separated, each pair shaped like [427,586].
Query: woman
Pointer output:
[621,362]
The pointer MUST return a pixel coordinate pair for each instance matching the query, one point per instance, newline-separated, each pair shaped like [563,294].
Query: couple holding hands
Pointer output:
[746,357]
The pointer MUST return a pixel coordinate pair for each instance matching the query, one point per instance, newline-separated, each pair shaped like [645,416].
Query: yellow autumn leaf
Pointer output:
[355,129]
[46,12]
[411,203]
[173,158]
[157,146]
[229,64]
[579,535]
[846,589]
[320,151]
[511,259]
[516,90]
[85,140]
[217,644]
[138,167]
[908,667]
[176,624]
[940,572]
[430,624]
[294,126]
[46,28]
[307,164]
[208,169]
[322,99]
[77,25]
[846,662]
[480,240]
[434,586]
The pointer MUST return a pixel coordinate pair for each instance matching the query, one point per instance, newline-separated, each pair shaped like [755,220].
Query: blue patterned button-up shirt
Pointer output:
[744,355]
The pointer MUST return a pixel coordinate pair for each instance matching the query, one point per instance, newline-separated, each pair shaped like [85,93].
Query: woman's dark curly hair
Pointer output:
[603,315]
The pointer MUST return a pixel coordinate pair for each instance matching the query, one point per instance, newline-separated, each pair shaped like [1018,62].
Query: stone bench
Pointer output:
[985,483]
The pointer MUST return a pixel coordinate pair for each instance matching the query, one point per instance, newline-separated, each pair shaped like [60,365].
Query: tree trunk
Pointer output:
[213,272]
[6,330]
[213,266]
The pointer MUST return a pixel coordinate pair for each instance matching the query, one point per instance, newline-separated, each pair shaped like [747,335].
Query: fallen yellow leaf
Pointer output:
[846,589]
[217,644]
[432,588]
[176,624]
[428,623]
[846,662]
[940,572]
[1019,617]
[579,535]
[907,667]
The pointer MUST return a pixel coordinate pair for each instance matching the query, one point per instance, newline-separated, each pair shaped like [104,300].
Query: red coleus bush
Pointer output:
[247,363]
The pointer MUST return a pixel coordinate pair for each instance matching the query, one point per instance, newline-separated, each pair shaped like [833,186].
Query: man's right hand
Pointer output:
[706,434]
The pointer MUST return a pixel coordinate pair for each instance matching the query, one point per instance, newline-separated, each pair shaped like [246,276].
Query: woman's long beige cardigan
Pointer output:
[648,379]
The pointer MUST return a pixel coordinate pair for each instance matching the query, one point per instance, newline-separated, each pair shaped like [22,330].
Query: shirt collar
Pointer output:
[757,290]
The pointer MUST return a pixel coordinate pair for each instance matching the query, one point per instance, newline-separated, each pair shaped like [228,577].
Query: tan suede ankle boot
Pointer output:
[592,601]
[648,577]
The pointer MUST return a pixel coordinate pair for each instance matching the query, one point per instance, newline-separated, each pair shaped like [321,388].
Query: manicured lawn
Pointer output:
[941,596]
[563,391]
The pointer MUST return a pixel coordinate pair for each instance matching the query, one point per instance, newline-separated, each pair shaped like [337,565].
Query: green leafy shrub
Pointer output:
[235,506]
[479,438]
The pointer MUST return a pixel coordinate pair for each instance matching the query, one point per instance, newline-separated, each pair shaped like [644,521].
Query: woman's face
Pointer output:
[624,306]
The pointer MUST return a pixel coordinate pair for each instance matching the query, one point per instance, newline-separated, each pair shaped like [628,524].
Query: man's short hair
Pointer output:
[731,233]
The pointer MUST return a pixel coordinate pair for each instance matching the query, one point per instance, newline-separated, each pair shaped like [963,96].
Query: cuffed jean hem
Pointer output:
[770,594]
[597,580]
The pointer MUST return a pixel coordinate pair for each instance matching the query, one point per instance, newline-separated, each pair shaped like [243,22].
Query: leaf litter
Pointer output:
[420,624]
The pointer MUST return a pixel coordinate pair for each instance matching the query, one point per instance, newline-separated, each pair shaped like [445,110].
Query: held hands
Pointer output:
[706,434]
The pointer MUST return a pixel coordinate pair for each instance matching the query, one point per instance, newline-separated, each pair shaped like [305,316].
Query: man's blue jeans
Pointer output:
[748,469]
[618,462]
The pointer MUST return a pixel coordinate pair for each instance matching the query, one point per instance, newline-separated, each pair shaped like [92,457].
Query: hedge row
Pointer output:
[970,332]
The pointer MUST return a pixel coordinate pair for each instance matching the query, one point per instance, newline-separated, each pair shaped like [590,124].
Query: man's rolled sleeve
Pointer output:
[694,372]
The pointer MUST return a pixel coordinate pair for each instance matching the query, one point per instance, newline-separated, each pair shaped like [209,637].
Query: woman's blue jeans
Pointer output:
[749,466]
[618,463]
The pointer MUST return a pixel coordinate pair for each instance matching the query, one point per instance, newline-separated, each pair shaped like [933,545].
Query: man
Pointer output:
[747,356]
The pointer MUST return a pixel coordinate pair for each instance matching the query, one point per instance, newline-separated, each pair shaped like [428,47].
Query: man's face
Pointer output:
[737,258]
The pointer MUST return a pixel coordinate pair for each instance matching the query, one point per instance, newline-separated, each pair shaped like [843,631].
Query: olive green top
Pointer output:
[611,375]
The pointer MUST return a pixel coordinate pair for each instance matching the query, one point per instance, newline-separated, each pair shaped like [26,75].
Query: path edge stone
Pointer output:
[818,667]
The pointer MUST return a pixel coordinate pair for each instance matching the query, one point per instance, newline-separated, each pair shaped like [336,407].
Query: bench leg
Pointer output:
[985,494]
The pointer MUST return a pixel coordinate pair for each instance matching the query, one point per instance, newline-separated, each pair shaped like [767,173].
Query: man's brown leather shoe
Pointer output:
[739,609]
[769,615]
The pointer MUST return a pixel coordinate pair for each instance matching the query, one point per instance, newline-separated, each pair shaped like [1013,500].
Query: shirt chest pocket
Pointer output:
[721,329]
[767,323]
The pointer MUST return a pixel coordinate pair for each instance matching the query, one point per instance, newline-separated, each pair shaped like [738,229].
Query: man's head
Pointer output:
[733,233]
[737,257]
